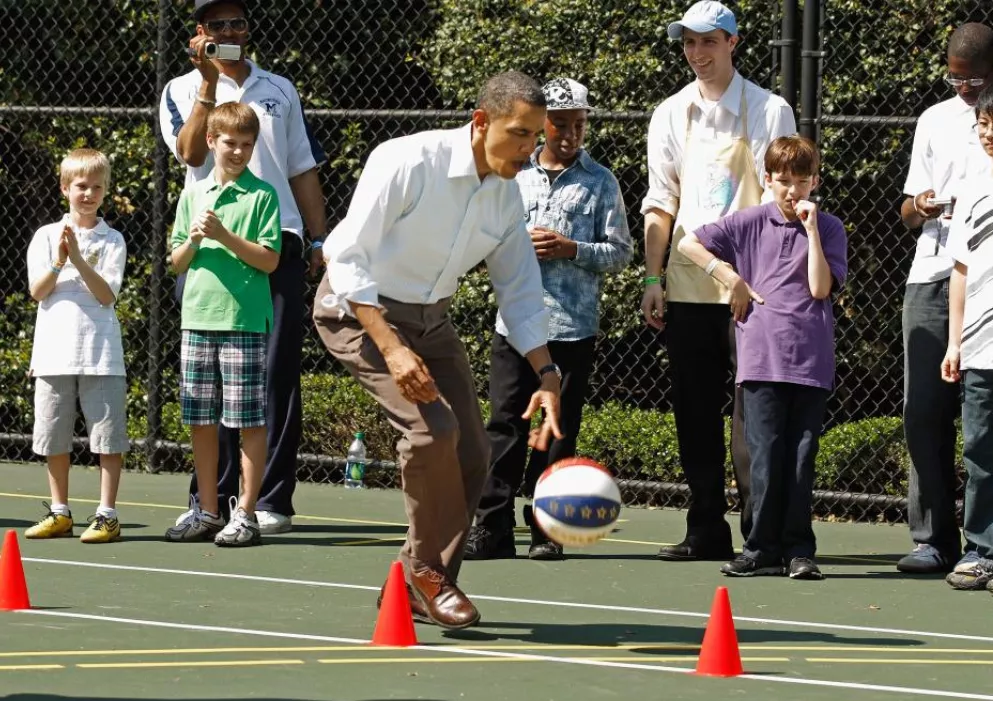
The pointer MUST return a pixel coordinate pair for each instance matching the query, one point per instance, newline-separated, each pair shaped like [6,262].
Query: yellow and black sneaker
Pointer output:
[101,530]
[52,526]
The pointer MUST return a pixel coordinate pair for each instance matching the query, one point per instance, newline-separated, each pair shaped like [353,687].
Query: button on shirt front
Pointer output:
[420,219]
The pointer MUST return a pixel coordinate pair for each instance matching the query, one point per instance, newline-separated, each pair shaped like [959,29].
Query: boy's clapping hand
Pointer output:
[70,245]
[63,252]
[210,226]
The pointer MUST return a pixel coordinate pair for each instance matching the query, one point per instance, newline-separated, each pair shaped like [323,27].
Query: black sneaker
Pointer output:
[541,547]
[804,568]
[744,566]
[488,543]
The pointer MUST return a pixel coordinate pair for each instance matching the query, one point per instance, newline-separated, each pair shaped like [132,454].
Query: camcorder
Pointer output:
[224,52]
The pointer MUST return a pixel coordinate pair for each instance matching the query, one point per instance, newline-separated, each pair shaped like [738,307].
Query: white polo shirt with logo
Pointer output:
[285,148]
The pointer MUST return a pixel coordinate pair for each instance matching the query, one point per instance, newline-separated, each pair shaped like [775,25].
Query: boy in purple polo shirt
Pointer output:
[780,261]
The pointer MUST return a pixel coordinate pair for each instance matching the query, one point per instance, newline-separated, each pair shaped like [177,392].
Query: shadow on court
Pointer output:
[600,634]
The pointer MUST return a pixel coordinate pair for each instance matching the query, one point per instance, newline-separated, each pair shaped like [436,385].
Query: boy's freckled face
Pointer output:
[85,193]
[232,152]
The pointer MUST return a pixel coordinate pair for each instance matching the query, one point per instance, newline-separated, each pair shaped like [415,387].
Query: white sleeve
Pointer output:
[516,276]
[40,254]
[378,202]
[664,160]
[173,113]
[920,177]
[112,262]
[305,152]
[962,228]
[780,121]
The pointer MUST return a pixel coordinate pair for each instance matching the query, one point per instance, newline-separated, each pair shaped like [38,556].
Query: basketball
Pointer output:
[576,502]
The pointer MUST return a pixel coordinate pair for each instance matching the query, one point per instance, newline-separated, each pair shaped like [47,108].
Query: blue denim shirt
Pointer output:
[583,204]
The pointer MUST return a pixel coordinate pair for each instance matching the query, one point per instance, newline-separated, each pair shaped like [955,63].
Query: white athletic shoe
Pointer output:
[270,522]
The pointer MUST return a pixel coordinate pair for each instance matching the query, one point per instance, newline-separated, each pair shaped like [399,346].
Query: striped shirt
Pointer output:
[584,204]
[970,242]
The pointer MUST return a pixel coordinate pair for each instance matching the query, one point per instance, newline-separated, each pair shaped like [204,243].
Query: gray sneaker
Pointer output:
[242,531]
[195,527]
[974,580]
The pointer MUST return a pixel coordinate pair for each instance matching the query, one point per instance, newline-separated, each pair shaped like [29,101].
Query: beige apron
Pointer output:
[717,177]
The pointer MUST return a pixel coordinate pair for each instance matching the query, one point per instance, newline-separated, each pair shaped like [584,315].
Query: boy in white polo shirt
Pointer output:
[946,155]
[75,271]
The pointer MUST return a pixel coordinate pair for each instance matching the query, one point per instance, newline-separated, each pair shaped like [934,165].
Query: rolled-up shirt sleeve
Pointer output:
[663,163]
[516,276]
[379,200]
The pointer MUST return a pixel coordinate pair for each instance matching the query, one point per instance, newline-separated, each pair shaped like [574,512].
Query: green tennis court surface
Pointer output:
[145,619]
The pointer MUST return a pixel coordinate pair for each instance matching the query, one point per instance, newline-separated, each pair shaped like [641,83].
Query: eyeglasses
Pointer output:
[237,25]
[959,82]
[984,127]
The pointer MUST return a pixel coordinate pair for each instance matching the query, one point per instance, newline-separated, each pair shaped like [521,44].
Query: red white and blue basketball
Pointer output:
[576,502]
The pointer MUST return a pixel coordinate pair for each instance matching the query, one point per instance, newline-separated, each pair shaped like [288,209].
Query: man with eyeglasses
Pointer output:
[287,157]
[946,155]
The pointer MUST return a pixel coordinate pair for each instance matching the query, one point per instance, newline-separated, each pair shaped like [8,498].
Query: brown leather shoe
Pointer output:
[442,601]
[416,609]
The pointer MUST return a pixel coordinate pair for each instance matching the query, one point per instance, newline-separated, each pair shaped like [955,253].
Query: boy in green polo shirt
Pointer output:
[226,239]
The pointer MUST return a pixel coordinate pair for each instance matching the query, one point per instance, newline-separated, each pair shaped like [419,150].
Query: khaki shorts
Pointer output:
[103,400]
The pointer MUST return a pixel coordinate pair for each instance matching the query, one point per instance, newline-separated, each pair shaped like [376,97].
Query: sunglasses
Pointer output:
[959,82]
[237,25]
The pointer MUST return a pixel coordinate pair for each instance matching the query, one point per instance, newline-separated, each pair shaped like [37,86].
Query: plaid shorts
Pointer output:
[222,377]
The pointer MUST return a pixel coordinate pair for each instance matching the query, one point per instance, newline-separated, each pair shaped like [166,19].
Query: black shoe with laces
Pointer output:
[541,547]
[804,568]
[744,566]
[486,542]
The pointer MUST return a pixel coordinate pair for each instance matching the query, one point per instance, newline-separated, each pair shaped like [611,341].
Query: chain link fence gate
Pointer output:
[74,74]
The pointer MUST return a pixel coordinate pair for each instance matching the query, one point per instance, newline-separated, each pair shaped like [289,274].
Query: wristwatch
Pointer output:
[316,243]
[551,367]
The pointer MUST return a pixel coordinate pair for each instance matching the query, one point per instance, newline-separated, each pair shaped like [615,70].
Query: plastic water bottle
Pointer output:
[355,463]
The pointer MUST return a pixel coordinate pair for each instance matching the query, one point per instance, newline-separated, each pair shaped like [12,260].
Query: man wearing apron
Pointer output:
[706,147]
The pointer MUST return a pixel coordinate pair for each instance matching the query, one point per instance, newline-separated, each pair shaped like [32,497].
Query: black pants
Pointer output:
[283,407]
[512,382]
[783,424]
[700,342]
[930,407]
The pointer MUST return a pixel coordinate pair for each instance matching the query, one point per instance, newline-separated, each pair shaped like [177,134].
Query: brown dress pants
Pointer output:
[444,451]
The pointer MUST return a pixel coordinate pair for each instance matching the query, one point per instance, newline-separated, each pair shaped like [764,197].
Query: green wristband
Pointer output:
[195,245]
[652,280]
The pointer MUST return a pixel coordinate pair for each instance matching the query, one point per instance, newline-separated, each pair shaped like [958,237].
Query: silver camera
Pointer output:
[223,52]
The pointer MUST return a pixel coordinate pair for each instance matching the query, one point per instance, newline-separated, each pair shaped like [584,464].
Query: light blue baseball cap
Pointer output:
[703,17]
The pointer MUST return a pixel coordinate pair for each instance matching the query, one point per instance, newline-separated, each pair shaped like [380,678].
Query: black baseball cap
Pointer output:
[203,5]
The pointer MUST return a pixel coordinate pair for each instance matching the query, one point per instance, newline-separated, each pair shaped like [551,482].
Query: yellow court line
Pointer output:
[190,663]
[464,659]
[26,667]
[856,660]
[179,651]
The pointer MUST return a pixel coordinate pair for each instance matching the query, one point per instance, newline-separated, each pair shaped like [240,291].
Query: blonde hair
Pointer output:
[82,162]
[233,118]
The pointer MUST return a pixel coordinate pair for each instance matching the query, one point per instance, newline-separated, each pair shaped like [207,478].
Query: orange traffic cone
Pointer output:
[719,656]
[13,586]
[395,625]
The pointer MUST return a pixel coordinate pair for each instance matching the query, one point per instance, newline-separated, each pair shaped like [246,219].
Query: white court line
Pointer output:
[513,655]
[534,602]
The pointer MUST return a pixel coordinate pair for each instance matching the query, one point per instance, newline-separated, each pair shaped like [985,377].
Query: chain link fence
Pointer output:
[74,74]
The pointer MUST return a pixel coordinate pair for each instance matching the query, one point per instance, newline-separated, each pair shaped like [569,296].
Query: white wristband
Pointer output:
[711,265]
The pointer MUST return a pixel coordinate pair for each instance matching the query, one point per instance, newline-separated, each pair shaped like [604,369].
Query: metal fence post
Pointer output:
[157,247]
[810,74]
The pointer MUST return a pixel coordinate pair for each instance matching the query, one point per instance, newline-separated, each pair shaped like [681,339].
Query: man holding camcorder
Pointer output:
[287,157]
